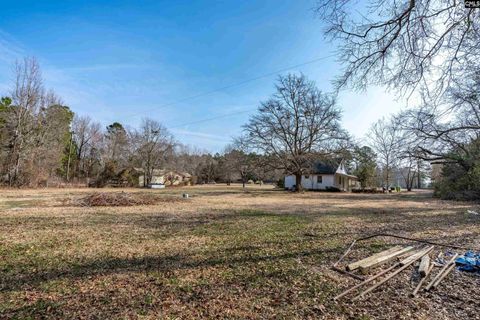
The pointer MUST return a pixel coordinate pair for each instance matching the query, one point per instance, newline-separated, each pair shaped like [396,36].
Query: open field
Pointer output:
[222,253]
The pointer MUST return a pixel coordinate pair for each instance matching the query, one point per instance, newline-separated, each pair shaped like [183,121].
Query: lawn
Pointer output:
[221,253]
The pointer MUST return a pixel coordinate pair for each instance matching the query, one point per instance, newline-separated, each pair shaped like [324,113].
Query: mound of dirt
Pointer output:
[120,199]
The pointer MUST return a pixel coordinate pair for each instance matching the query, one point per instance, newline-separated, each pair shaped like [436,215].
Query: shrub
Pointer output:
[281,183]
[459,183]
[332,189]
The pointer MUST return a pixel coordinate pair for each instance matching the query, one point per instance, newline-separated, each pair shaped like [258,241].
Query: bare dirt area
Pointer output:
[223,252]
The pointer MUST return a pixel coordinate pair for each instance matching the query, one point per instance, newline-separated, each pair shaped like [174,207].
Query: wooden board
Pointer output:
[439,274]
[415,256]
[424,265]
[450,268]
[378,258]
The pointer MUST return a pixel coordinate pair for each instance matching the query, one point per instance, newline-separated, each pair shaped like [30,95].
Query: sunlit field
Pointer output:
[223,252]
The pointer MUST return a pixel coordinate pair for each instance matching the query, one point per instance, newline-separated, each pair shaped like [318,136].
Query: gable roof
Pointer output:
[326,167]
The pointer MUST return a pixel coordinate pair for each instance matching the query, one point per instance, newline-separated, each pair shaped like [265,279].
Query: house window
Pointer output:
[339,179]
[307,177]
[319,179]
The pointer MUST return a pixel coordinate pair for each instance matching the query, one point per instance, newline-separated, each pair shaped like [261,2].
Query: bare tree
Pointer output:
[403,44]
[240,160]
[385,139]
[153,144]
[298,123]
[26,98]
[87,136]
[445,130]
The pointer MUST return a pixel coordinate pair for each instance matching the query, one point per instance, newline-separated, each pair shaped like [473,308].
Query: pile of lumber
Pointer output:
[406,257]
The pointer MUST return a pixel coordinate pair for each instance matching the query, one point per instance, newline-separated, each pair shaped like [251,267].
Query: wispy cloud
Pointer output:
[203,135]
[105,67]
[10,50]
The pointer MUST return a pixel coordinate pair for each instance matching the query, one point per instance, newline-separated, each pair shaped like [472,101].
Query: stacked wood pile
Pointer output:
[404,258]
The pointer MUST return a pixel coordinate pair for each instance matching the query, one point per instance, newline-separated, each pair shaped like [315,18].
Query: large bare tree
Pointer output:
[295,126]
[153,144]
[26,96]
[445,129]
[35,128]
[404,44]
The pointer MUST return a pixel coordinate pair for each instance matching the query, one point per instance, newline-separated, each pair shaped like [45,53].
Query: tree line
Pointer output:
[42,140]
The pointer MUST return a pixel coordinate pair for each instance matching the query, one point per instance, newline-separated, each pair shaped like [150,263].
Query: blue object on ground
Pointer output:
[470,262]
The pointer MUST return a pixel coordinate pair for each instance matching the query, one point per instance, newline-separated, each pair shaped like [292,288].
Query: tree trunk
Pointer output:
[298,182]
[419,177]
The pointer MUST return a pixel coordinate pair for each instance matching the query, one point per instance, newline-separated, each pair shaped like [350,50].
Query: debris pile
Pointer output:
[120,199]
[400,258]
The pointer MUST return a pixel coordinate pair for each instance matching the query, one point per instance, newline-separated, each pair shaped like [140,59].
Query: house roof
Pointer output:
[326,167]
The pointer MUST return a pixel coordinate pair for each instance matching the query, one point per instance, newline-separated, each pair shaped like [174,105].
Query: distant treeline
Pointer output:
[44,143]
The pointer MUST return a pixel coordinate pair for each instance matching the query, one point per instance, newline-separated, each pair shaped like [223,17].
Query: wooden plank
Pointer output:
[344,293]
[424,266]
[357,264]
[439,274]
[385,259]
[416,256]
[452,266]
[422,280]
[377,258]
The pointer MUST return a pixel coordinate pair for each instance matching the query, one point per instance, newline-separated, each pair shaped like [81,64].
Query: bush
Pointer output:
[332,189]
[367,190]
[106,175]
[194,180]
[281,183]
[457,183]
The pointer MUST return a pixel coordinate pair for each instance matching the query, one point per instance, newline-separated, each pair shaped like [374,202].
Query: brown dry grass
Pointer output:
[222,253]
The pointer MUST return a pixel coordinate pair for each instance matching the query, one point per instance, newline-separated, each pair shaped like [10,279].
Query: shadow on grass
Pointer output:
[150,263]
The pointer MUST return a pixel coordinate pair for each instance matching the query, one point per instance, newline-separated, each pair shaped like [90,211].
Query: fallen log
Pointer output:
[439,274]
[378,258]
[405,264]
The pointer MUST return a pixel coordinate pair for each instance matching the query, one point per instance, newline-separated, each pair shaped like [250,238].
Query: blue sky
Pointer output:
[124,60]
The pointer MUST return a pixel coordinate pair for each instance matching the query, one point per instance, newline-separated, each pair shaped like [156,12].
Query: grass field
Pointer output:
[222,253]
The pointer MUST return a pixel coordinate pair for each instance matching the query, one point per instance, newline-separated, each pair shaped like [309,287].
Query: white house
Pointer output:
[325,175]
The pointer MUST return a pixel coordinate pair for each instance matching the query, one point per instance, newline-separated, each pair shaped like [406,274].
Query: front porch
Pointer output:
[345,182]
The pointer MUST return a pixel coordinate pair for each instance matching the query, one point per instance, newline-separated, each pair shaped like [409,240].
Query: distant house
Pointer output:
[325,175]
[164,177]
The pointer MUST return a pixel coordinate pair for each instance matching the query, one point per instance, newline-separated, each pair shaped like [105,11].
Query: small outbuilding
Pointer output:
[325,175]
[164,177]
